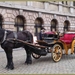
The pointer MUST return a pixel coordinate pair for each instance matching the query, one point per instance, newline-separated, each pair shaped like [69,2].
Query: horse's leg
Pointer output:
[8,52]
[28,53]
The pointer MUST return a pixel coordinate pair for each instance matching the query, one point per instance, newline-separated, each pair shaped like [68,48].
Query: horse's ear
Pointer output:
[0,28]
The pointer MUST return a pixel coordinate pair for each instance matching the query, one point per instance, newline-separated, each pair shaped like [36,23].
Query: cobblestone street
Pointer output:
[44,65]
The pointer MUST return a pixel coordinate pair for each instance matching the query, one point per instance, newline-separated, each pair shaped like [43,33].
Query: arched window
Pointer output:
[38,27]
[65,2]
[54,25]
[62,2]
[66,25]
[39,20]
[73,3]
[19,23]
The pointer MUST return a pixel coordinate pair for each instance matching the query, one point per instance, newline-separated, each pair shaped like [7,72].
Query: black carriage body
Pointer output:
[49,37]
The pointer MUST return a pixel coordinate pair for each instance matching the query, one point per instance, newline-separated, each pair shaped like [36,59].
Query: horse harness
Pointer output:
[15,35]
[5,35]
[14,40]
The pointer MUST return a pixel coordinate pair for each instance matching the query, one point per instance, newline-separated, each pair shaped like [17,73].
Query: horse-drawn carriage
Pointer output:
[50,42]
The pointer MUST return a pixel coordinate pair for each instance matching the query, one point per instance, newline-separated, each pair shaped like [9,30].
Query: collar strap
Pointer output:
[4,38]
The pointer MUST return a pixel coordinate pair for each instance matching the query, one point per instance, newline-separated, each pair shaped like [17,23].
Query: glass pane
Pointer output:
[20,28]
[19,21]
[53,29]
[73,3]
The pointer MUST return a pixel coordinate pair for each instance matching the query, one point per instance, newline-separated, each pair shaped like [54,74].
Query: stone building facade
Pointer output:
[18,15]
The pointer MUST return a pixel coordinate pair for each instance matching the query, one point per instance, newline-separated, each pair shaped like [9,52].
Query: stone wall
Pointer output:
[9,16]
[30,14]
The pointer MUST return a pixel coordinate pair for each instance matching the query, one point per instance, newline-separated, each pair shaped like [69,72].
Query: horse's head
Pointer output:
[1,34]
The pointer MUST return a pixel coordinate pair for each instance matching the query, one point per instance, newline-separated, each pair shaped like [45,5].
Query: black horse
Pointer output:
[9,45]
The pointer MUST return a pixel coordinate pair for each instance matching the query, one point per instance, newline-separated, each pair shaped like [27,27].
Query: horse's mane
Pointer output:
[25,32]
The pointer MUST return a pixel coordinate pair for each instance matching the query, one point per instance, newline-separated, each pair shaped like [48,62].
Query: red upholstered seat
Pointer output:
[67,38]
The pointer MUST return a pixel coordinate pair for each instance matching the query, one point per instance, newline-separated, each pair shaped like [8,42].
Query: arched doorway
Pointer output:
[38,27]
[54,24]
[1,21]
[19,22]
[66,25]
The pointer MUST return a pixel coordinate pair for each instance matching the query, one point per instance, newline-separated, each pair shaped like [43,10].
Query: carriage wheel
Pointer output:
[56,52]
[36,56]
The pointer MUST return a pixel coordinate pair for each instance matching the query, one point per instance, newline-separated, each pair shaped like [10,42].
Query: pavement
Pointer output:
[43,65]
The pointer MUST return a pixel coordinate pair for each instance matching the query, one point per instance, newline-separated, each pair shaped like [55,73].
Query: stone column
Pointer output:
[60,7]
[46,5]
[71,8]
[29,3]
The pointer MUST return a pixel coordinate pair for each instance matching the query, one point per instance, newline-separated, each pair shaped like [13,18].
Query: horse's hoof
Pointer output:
[9,67]
[28,62]
[6,68]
